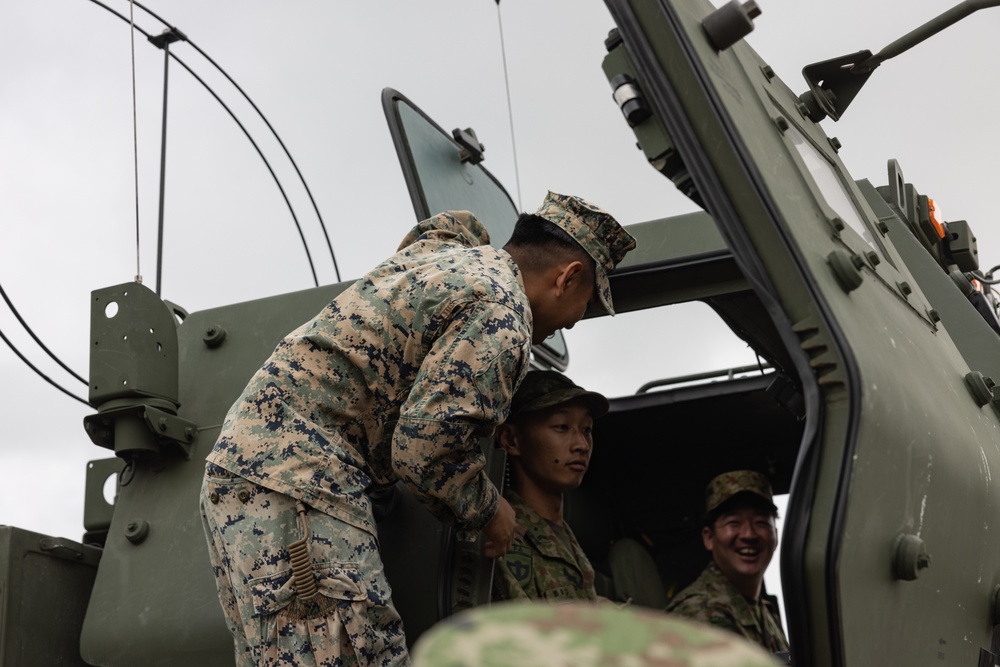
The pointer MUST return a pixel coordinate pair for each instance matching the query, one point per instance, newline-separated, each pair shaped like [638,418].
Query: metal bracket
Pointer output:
[167,428]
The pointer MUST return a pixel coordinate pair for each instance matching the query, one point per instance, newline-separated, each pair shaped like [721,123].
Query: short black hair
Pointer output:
[540,240]
[739,501]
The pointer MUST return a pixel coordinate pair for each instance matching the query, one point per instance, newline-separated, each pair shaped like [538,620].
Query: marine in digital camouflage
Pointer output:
[713,599]
[594,229]
[394,379]
[518,634]
[350,621]
[545,562]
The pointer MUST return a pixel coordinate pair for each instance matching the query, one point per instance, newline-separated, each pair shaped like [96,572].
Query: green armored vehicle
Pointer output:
[873,406]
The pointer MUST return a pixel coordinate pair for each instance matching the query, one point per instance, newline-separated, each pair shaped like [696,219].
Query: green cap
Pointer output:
[594,229]
[543,389]
[728,484]
[531,634]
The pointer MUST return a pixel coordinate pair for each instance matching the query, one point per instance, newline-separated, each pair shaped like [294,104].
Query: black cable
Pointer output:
[41,374]
[260,113]
[35,338]
[277,182]
[987,281]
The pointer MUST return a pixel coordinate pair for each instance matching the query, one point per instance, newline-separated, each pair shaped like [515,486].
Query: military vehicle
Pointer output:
[873,407]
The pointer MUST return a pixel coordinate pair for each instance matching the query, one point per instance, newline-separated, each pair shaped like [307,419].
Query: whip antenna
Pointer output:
[510,113]
[135,144]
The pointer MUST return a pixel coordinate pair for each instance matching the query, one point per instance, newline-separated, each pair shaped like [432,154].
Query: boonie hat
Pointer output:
[728,484]
[594,229]
[543,389]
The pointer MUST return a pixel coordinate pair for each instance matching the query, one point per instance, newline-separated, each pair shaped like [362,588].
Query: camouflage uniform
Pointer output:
[545,561]
[712,598]
[577,634]
[394,379]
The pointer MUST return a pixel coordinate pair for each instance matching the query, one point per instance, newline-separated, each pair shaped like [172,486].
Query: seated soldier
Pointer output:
[739,532]
[548,442]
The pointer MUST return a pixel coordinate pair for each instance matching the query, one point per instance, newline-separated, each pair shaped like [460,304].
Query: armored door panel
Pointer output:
[894,441]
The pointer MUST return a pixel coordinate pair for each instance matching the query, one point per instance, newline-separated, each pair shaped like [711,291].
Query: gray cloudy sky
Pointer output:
[67,206]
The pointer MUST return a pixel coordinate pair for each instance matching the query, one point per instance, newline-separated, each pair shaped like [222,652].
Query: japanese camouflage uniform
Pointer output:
[520,634]
[714,599]
[545,560]
[394,380]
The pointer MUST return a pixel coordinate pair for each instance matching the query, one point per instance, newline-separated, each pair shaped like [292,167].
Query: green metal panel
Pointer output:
[154,602]
[44,587]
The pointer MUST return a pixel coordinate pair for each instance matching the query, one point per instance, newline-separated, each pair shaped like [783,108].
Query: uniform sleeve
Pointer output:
[698,608]
[461,393]
[513,576]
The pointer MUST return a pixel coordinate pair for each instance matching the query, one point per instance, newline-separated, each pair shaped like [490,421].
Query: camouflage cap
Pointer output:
[594,229]
[728,484]
[582,634]
[543,389]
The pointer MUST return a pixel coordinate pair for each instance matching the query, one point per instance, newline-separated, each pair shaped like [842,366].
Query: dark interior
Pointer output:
[655,453]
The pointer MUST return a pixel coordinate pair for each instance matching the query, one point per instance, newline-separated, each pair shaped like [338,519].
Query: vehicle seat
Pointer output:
[634,575]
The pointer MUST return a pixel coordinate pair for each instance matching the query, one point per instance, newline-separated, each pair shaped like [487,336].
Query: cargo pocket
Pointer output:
[333,624]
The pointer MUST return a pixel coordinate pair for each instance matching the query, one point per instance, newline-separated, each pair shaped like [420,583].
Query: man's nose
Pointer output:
[581,442]
[747,531]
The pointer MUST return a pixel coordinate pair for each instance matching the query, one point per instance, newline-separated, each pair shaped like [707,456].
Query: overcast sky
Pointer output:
[316,69]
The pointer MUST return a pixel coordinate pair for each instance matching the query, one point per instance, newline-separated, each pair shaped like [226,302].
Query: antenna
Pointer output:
[510,113]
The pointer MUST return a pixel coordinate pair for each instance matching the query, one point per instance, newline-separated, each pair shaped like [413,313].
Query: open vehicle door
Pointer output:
[889,542]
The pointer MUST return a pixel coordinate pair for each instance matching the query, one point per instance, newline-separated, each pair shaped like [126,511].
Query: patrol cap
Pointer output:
[594,229]
[728,484]
[544,389]
[522,633]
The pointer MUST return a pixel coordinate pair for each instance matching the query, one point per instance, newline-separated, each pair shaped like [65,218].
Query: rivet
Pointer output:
[214,497]
[882,227]
[904,288]
[768,71]
[835,143]
[782,123]
[873,258]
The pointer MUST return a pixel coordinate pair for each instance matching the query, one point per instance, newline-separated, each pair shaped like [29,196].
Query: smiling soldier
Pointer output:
[548,440]
[739,532]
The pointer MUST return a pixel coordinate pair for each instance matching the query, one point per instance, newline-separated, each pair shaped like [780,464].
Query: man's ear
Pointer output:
[568,275]
[506,437]
[707,538]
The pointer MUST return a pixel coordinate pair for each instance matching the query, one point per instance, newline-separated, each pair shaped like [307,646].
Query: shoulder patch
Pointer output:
[519,562]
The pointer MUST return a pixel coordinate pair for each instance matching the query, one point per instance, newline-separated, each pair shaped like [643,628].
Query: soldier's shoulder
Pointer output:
[579,633]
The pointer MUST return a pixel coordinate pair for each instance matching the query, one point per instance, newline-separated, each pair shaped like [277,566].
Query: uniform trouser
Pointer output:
[351,621]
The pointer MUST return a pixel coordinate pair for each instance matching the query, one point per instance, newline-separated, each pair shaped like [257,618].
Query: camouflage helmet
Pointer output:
[728,484]
[544,389]
[594,229]
[581,634]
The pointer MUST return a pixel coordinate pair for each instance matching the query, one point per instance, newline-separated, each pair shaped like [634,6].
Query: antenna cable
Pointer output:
[135,144]
[510,113]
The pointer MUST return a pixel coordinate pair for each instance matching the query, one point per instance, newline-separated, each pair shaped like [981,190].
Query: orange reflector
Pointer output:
[935,216]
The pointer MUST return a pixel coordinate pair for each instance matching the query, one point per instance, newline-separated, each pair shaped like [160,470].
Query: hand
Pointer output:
[499,532]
